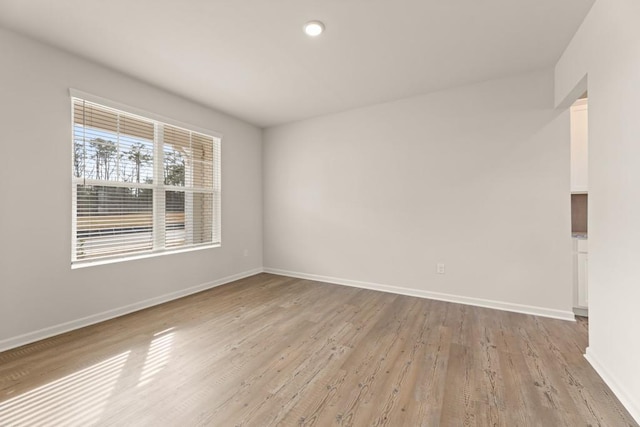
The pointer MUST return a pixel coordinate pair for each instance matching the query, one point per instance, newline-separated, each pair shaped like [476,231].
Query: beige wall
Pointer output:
[39,293]
[476,178]
[607,49]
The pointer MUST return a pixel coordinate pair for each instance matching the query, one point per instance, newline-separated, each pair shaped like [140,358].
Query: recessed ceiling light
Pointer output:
[313,28]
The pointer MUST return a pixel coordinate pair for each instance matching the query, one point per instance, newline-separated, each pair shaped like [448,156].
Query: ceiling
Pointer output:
[251,59]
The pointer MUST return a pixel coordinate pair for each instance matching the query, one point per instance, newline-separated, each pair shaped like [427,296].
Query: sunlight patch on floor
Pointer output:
[76,399]
[157,356]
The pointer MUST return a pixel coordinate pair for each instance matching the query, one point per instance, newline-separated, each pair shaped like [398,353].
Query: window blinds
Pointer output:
[140,185]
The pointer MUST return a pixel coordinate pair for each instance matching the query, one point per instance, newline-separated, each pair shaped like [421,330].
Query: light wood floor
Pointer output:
[270,350]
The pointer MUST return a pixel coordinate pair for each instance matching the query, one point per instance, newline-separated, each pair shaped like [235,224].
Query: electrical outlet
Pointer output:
[245,252]
[440,268]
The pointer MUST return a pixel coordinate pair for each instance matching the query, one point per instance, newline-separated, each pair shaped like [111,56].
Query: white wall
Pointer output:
[607,48]
[38,289]
[476,178]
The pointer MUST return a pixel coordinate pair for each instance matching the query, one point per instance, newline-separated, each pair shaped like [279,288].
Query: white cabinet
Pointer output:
[579,147]
[580,269]
[583,298]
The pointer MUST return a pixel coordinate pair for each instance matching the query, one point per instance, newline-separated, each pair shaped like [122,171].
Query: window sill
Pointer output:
[83,264]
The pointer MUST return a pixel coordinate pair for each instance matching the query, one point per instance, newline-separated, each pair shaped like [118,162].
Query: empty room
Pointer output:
[302,212]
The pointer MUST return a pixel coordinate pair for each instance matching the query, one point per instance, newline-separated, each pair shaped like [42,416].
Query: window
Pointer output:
[140,185]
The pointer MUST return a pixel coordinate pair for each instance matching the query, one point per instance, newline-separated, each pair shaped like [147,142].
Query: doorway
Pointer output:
[580,203]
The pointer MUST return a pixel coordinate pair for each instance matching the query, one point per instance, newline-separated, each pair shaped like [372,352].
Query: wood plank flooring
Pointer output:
[271,350]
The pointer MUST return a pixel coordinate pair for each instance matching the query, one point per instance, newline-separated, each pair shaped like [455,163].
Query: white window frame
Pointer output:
[158,186]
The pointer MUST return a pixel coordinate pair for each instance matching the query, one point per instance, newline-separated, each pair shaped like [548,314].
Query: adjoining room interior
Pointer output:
[580,203]
[303,213]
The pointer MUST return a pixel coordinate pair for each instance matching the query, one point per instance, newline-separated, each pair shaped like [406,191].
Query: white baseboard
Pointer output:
[632,405]
[41,334]
[479,302]
[580,311]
